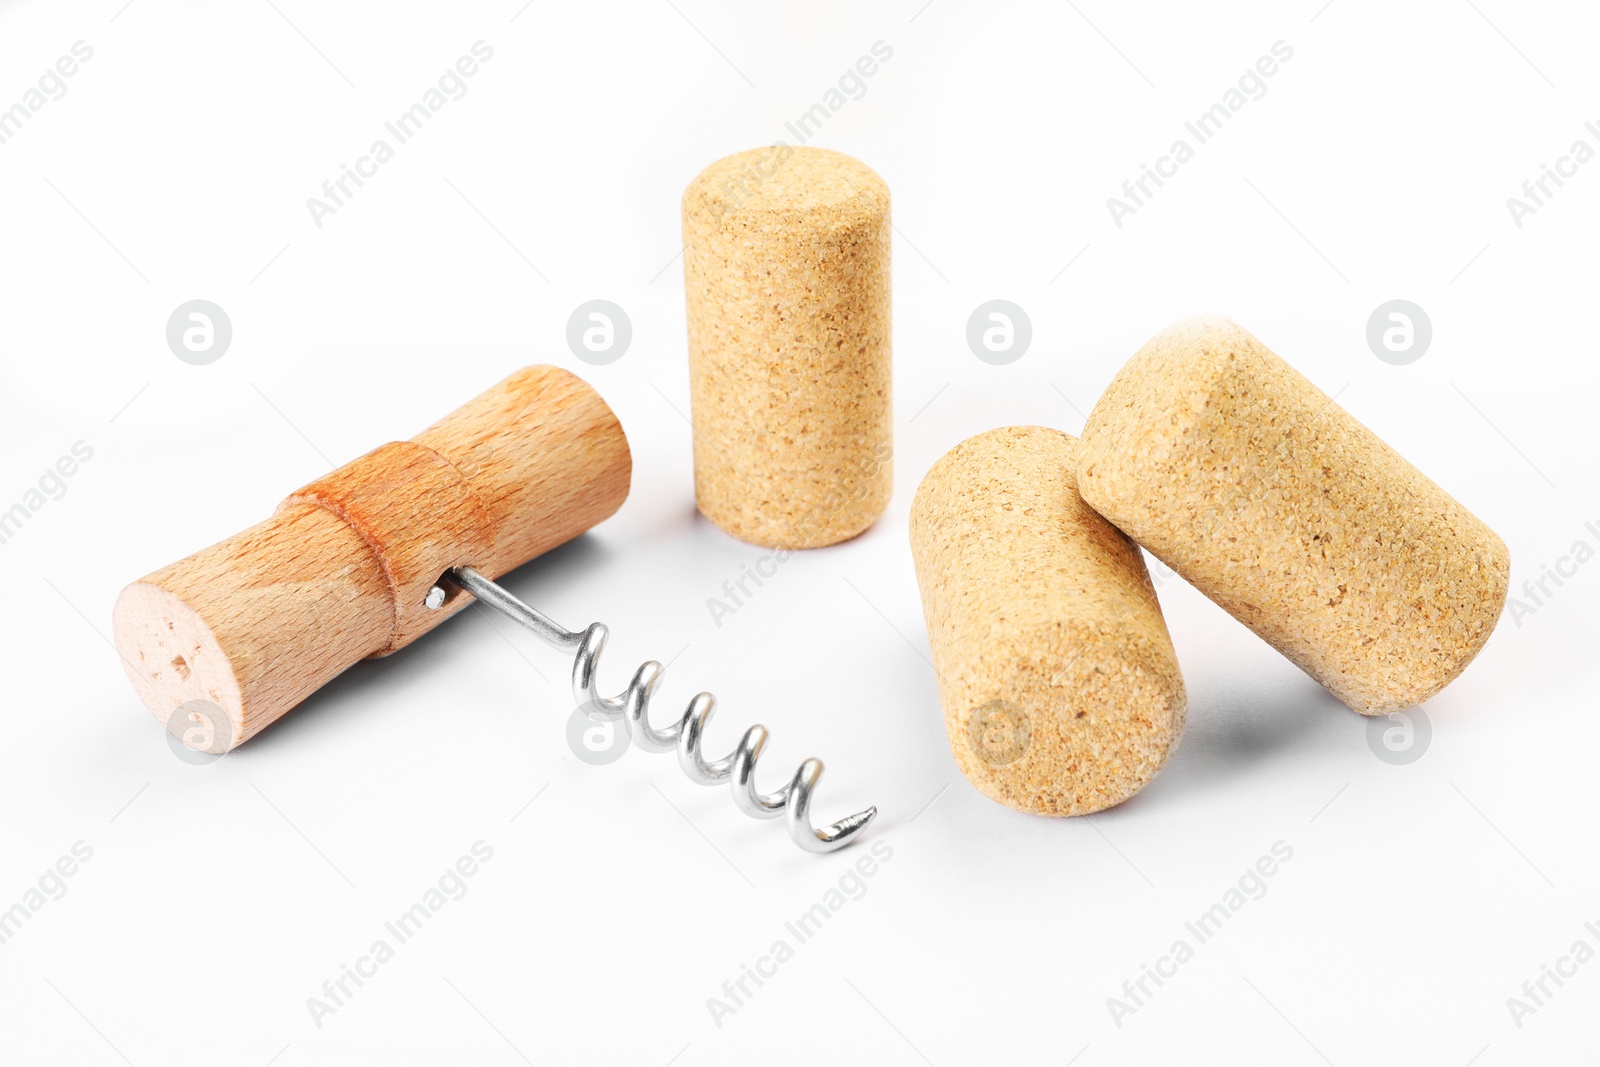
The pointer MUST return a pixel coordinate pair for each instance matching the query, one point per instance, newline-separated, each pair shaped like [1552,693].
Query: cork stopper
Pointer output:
[1233,469]
[786,274]
[1060,689]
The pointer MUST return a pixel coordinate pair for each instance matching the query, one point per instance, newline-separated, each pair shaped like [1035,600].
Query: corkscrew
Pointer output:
[685,736]
[366,559]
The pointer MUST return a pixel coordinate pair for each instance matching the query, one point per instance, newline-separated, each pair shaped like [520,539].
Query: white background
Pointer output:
[219,898]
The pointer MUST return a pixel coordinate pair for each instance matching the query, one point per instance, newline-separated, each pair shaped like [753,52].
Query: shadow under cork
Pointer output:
[362,689]
[1288,720]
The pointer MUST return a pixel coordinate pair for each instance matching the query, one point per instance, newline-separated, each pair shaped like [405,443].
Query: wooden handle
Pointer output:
[224,642]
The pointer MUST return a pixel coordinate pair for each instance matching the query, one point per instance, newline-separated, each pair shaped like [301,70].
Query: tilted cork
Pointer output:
[1234,470]
[786,274]
[1061,692]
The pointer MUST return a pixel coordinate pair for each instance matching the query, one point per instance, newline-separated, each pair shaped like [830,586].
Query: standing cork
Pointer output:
[224,642]
[786,273]
[1060,688]
[1242,476]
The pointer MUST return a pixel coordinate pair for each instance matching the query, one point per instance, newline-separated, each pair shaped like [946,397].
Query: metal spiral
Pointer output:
[684,736]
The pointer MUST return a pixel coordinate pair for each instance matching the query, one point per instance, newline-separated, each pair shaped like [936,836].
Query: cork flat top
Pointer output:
[787,181]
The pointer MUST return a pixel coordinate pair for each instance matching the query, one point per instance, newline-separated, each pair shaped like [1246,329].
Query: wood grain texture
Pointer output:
[229,639]
[418,516]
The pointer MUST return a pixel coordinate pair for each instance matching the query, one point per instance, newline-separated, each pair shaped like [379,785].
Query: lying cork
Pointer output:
[1060,689]
[786,274]
[1238,473]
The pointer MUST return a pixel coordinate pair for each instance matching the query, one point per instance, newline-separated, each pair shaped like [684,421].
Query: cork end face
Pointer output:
[1060,689]
[1471,615]
[1144,421]
[178,669]
[787,181]
[1071,738]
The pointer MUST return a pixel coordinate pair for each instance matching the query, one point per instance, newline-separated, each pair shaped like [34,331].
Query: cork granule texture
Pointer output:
[786,276]
[1238,473]
[1060,690]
